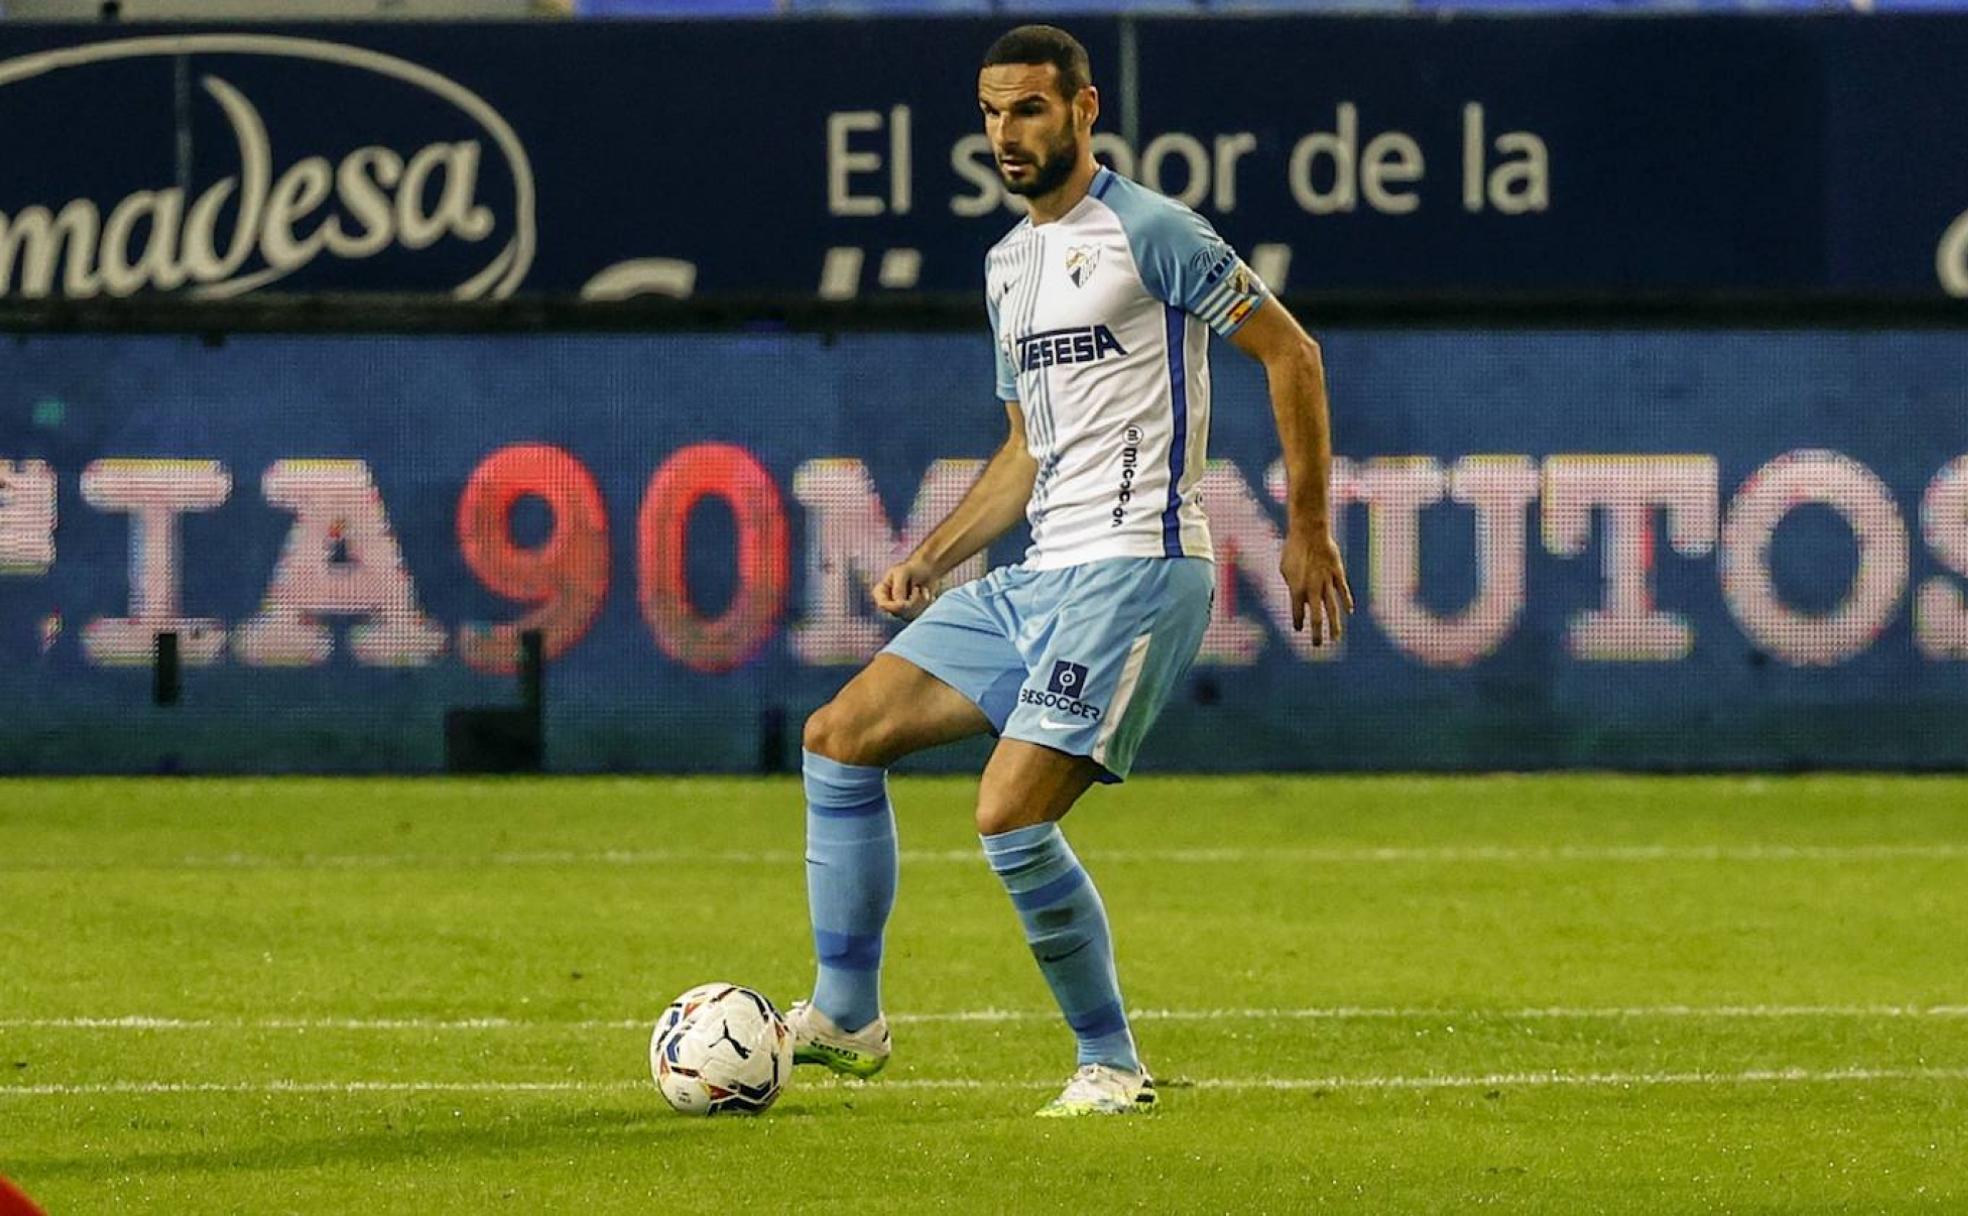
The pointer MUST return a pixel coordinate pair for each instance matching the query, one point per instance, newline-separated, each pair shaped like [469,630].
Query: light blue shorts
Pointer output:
[1079,659]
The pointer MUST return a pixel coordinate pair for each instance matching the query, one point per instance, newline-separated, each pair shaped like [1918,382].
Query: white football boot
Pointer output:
[817,1040]
[1100,1089]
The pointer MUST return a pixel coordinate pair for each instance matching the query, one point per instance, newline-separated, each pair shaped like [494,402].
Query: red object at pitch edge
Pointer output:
[13,1203]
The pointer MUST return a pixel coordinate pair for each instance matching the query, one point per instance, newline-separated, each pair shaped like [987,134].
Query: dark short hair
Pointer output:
[1041,44]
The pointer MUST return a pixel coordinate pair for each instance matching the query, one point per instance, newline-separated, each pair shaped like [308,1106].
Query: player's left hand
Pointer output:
[1316,576]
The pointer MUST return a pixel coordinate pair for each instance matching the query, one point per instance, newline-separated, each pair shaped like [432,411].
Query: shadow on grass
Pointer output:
[378,1138]
[400,1137]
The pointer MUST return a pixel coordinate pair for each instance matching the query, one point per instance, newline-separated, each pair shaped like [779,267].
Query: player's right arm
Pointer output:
[992,507]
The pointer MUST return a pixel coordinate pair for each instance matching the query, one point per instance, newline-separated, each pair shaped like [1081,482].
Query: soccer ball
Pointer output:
[720,1049]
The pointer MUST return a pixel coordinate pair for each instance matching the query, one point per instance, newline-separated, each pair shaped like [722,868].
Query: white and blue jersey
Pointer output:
[1102,321]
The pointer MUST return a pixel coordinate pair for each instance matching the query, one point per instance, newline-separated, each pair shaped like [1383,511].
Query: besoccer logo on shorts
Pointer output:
[1067,678]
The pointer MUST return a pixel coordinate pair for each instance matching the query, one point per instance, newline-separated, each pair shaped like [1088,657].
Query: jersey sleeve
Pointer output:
[1001,348]
[1186,265]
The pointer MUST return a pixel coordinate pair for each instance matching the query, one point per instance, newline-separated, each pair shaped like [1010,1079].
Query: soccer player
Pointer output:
[1101,302]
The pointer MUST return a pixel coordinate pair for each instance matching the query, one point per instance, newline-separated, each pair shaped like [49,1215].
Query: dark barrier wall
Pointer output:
[1652,549]
[1580,154]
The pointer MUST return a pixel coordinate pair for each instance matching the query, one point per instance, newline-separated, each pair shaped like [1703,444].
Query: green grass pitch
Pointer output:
[1535,994]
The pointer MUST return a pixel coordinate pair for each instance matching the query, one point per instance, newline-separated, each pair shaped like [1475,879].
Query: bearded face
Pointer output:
[1042,163]
[1037,134]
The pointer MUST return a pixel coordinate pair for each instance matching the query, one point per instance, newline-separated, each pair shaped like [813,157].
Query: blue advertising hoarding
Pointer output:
[815,157]
[1623,548]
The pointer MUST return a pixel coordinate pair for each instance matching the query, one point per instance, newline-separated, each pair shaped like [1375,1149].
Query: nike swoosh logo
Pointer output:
[1049,724]
[1060,958]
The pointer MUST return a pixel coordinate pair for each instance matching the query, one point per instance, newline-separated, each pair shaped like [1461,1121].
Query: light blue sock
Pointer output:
[850,884]
[1066,926]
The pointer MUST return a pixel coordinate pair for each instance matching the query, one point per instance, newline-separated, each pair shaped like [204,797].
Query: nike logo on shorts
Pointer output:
[1049,724]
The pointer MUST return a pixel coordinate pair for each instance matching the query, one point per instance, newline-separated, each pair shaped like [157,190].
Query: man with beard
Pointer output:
[1101,302]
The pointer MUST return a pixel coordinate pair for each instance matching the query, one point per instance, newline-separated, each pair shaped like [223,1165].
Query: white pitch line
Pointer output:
[1333,1013]
[1760,1076]
[1439,855]
[322,1087]
[1512,1080]
[1352,1013]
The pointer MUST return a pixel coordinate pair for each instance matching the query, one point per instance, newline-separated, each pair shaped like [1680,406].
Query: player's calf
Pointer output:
[1066,928]
[850,884]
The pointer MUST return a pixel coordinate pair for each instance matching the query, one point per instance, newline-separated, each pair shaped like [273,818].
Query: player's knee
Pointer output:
[835,732]
[997,815]
[990,818]
[822,734]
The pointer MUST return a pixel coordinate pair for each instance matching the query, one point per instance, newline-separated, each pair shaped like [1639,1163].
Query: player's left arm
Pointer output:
[1296,370]
[1186,265]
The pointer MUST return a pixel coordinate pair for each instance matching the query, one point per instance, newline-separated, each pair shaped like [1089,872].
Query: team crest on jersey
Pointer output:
[1080,261]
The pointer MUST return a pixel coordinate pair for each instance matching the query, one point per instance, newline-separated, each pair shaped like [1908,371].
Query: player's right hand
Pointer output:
[906,589]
